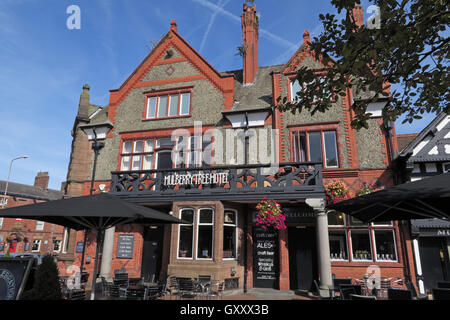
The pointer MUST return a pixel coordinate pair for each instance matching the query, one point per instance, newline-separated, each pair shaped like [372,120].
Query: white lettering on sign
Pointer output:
[197,178]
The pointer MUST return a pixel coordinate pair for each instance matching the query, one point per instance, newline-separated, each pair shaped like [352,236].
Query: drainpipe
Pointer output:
[246,218]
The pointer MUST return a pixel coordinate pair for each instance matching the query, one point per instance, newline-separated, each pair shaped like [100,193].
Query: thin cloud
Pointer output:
[264,33]
[221,4]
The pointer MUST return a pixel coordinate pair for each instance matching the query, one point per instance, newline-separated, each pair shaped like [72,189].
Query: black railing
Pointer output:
[221,181]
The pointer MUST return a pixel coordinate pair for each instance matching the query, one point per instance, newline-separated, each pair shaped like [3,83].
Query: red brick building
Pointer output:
[23,236]
[143,161]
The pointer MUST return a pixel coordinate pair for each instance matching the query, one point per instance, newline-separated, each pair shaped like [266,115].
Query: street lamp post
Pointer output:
[7,181]
[94,132]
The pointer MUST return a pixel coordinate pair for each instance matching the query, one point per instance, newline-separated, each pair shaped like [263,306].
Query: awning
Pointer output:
[427,198]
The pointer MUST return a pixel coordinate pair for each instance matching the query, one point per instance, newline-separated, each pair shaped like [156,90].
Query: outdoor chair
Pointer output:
[162,288]
[346,292]
[316,285]
[84,279]
[443,285]
[136,294]
[216,289]
[77,294]
[121,279]
[173,287]
[338,281]
[399,294]
[360,297]
[115,292]
[441,294]
[187,288]
[106,287]
[356,287]
[203,284]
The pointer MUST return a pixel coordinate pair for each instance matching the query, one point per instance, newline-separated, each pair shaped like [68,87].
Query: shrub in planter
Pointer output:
[46,282]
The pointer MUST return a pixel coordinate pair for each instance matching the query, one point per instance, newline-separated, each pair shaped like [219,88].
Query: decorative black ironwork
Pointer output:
[222,182]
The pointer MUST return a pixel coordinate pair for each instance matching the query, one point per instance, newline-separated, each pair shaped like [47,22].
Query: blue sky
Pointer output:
[43,64]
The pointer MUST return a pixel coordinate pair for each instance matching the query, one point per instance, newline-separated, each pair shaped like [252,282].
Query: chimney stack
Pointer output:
[357,15]
[83,106]
[250,27]
[41,180]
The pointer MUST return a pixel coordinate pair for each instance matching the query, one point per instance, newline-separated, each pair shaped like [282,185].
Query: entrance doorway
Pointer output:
[152,253]
[434,257]
[302,257]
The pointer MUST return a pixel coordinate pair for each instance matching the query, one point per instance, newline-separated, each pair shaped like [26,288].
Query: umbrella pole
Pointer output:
[95,272]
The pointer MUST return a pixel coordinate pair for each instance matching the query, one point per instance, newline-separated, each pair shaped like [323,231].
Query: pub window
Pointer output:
[146,154]
[36,245]
[229,234]
[314,146]
[338,245]
[205,228]
[186,234]
[39,225]
[56,245]
[361,248]
[336,218]
[190,151]
[168,105]
[385,245]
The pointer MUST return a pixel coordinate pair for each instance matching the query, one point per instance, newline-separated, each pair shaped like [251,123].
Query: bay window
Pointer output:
[368,241]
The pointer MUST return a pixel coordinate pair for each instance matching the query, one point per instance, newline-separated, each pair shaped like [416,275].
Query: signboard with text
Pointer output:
[265,258]
[125,246]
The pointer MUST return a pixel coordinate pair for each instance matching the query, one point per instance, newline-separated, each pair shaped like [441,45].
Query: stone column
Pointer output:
[323,245]
[107,254]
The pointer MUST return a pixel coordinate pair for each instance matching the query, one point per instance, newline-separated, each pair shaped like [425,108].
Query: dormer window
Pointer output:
[170,104]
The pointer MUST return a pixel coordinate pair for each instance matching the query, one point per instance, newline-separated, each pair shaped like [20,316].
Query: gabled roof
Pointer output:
[432,144]
[31,192]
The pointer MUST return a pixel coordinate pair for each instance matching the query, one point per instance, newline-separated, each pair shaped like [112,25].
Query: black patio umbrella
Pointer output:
[426,198]
[98,212]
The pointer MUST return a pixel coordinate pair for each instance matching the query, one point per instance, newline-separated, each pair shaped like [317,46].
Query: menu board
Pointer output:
[125,246]
[265,258]
[14,274]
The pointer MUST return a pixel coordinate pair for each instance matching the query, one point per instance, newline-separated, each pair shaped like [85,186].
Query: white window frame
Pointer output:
[198,224]
[375,242]
[65,241]
[1,223]
[338,225]
[235,232]
[60,245]
[370,243]
[293,95]
[325,149]
[168,95]
[179,232]
[40,225]
[39,248]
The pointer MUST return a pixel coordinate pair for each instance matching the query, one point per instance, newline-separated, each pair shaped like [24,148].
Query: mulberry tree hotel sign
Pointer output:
[195,179]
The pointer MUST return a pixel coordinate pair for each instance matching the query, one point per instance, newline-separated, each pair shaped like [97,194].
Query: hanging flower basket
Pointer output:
[337,192]
[270,215]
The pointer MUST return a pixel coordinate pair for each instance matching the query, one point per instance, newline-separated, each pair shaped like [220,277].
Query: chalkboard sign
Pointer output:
[14,274]
[125,246]
[79,248]
[265,258]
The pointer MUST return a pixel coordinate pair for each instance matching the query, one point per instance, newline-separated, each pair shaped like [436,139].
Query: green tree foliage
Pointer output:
[46,283]
[405,60]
